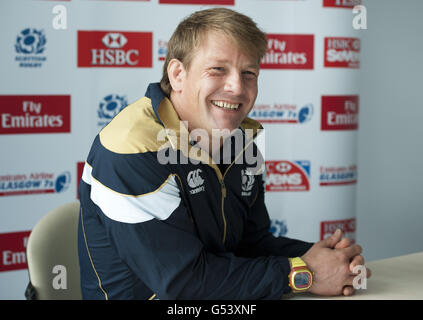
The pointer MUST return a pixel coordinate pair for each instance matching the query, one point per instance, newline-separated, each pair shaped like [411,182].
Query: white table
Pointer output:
[397,278]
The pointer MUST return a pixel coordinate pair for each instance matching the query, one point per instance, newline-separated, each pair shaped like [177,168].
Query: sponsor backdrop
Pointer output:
[68,67]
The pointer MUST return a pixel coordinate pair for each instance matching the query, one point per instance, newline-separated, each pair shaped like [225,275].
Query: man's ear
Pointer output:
[176,74]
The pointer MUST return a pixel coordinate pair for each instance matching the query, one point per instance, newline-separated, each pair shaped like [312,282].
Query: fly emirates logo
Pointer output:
[288,51]
[115,49]
[340,112]
[34,114]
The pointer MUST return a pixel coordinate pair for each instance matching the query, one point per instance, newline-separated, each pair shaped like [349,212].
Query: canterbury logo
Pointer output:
[194,179]
[247,180]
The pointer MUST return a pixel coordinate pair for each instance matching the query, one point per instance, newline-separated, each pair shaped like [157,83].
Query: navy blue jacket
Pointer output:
[185,229]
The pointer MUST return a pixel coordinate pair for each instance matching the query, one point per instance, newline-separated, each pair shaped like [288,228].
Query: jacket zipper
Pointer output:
[221,177]
[223,188]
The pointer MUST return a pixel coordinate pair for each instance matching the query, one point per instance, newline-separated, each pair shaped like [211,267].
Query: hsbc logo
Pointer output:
[195,181]
[114,40]
[288,51]
[339,113]
[342,52]
[341,3]
[115,49]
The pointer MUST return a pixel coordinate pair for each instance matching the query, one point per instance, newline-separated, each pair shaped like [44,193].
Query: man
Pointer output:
[164,219]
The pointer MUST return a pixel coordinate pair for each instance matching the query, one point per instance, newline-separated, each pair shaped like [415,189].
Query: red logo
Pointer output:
[79,170]
[347,226]
[341,3]
[289,51]
[204,2]
[34,114]
[13,250]
[115,49]
[339,112]
[342,52]
[287,175]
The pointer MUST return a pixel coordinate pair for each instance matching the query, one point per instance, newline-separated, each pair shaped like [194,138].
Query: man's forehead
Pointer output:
[215,56]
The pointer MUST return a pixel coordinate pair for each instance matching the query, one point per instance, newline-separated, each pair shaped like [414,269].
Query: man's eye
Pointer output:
[249,74]
[219,69]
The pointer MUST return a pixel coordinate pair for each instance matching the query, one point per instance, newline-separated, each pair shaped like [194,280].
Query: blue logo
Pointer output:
[305,114]
[162,50]
[62,182]
[278,228]
[30,41]
[109,107]
[282,113]
[30,44]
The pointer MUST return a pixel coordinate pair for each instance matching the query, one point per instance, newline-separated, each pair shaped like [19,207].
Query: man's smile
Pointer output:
[226,105]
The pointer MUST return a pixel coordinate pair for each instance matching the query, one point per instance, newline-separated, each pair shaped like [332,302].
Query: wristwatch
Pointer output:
[300,277]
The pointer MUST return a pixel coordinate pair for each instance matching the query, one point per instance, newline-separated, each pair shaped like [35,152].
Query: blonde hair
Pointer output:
[190,32]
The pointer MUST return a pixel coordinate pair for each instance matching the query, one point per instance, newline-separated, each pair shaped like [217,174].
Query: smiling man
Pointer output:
[195,227]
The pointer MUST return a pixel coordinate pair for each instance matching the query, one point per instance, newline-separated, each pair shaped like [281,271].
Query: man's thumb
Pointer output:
[333,239]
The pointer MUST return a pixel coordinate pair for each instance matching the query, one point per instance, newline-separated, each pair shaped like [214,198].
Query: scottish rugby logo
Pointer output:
[278,227]
[109,107]
[30,46]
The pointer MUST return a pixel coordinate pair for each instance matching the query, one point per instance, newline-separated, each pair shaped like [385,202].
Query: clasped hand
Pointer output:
[333,261]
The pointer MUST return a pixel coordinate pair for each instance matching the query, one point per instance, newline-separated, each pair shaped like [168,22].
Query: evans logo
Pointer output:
[115,49]
[282,175]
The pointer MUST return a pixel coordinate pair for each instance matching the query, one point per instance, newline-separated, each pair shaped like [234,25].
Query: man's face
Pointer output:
[220,87]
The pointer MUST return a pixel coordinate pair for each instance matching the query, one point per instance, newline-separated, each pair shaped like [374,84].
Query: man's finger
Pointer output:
[352,251]
[356,261]
[348,291]
[344,243]
[331,241]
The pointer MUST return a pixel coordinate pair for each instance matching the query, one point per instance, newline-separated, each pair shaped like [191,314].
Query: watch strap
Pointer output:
[297,262]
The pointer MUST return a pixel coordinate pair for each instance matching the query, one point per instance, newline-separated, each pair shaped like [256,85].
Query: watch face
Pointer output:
[302,280]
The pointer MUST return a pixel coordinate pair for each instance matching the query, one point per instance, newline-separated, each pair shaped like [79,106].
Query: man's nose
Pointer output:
[234,83]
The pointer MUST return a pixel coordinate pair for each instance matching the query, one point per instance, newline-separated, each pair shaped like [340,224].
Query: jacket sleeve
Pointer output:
[259,241]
